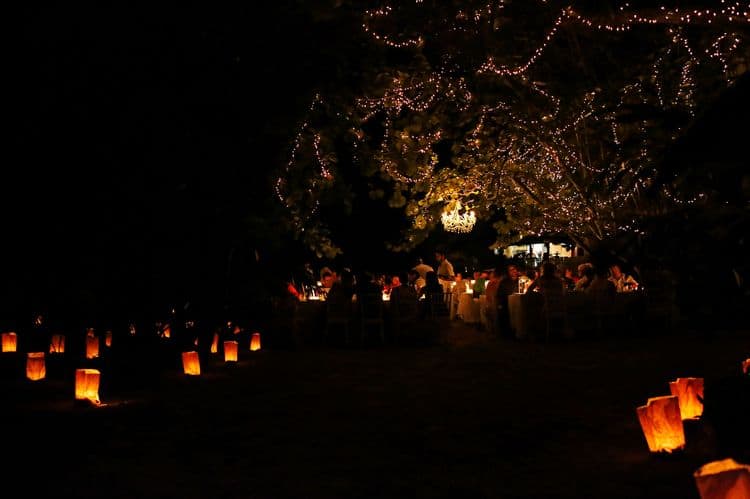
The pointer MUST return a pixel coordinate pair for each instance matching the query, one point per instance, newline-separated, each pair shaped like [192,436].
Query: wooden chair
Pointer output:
[555,312]
[604,312]
[338,318]
[405,312]
[371,315]
[439,304]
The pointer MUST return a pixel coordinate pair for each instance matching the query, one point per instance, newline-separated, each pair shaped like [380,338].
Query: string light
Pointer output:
[534,163]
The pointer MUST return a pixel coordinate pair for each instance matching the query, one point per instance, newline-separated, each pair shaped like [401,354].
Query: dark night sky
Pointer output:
[143,138]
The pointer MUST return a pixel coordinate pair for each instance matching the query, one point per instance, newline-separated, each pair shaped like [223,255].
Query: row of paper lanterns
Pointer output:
[87,380]
[57,343]
[36,368]
[662,419]
[191,362]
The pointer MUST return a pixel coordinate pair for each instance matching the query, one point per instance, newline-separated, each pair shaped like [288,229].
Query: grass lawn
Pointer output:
[470,417]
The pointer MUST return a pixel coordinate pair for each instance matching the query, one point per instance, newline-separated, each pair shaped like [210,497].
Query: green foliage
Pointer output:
[573,145]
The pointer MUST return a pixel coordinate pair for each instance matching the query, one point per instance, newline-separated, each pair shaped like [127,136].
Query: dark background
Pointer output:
[142,144]
[144,139]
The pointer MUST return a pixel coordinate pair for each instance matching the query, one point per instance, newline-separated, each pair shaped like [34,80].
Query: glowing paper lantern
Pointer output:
[237,330]
[661,424]
[255,342]
[9,342]
[230,351]
[215,344]
[725,479]
[689,392]
[746,366]
[92,347]
[191,363]
[57,344]
[35,367]
[87,385]
[108,338]
[167,332]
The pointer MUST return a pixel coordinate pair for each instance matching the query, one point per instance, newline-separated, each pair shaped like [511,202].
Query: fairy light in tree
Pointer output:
[722,48]
[534,161]
[730,15]
[384,12]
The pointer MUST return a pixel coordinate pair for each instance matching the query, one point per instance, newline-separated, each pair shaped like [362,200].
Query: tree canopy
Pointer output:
[541,117]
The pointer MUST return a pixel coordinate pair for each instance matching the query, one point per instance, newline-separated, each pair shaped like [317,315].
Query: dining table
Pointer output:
[469,308]
[584,312]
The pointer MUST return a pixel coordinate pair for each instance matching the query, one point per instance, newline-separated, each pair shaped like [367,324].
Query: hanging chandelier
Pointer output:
[455,221]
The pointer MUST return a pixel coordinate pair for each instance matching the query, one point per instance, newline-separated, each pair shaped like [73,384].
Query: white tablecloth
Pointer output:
[468,308]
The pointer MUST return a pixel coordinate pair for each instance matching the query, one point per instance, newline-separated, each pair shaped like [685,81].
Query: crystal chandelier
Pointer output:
[455,221]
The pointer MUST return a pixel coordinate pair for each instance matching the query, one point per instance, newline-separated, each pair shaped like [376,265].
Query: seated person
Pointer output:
[395,282]
[367,284]
[585,276]
[507,286]
[623,282]
[480,281]
[460,285]
[548,281]
[491,300]
[432,284]
[600,284]
[327,279]
[570,279]
[343,288]
[402,292]
[431,288]
[415,280]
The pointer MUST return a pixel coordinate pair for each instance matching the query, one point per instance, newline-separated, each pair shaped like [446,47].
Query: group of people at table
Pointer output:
[418,282]
[484,299]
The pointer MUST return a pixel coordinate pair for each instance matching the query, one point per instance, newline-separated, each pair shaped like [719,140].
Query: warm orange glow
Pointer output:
[746,366]
[167,332]
[57,344]
[689,392]
[87,385]
[90,332]
[35,367]
[215,344]
[255,342]
[661,424]
[92,347]
[108,338]
[9,342]
[191,363]
[237,330]
[230,351]
[725,479]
